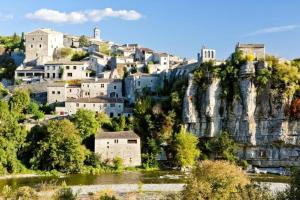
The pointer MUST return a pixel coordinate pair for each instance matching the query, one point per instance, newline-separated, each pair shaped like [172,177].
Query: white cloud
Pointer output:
[97,15]
[5,17]
[76,17]
[275,29]
[56,16]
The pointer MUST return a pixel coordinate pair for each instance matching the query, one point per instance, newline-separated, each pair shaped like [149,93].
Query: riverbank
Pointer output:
[139,191]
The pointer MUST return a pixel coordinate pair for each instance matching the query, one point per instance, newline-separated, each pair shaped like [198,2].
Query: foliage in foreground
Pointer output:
[186,148]
[214,180]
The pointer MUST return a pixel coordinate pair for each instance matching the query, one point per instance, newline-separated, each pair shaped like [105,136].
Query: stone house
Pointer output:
[257,50]
[41,44]
[124,144]
[60,92]
[67,70]
[98,61]
[138,82]
[163,61]
[143,54]
[113,107]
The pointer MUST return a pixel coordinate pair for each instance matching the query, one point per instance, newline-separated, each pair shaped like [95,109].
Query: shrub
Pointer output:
[65,193]
[118,163]
[214,180]
[26,193]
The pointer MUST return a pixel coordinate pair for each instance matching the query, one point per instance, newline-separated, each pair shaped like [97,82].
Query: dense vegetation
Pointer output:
[13,42]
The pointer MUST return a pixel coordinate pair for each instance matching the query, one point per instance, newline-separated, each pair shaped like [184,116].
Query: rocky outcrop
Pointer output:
[257,118]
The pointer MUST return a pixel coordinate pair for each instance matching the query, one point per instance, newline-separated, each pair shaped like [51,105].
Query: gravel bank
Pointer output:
[126,188]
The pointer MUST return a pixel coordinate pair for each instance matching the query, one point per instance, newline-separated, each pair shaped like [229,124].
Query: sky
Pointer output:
[179,27]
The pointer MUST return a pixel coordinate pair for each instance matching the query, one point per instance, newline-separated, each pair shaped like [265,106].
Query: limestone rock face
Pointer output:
[258,119]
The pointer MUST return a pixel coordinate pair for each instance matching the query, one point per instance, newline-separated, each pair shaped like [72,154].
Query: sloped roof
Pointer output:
[117,135]
[239,45]
[46,30]
[96,100]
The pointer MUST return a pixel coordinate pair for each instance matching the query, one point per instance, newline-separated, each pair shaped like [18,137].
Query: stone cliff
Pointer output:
[257,118]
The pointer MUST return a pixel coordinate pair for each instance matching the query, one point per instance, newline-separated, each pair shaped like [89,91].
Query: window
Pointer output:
[139,83]
[48,67]
[58,92]
[31,46]
[53,92]
[67,67]
[94,105]
[74,67]
[112,105]
[115,87]
[84,105]
[108,147]
[40,46]
[69,74]
[87,74]
[41,38]
[77,104]
[70,90]
[102,85]
[105,105]
[131,141]
[116,141]
[111,114]
[53,75]
[32,38]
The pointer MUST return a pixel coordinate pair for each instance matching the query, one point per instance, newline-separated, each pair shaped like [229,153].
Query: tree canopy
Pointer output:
[186,148]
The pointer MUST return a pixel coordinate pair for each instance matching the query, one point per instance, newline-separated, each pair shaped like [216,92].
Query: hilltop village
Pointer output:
[144,100]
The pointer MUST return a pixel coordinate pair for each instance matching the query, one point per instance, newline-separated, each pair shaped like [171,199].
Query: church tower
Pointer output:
[97,33]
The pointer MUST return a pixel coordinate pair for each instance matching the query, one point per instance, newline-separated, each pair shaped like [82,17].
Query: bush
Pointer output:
[26,193]
[118,163]
[65,193]
[214,180]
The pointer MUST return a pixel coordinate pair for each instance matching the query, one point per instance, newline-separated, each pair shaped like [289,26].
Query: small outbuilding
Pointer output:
[123,144]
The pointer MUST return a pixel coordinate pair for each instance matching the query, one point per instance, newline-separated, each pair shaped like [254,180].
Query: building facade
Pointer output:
[257,50]
[113,107]
[67,70]
[124,144]
[207,55]
[60,92]
[41,44]
[139,82]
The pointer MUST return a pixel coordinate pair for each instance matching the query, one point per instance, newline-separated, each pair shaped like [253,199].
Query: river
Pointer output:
[131,177]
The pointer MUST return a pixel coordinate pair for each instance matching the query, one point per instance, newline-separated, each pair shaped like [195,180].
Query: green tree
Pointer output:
[122,123]
[86,122]
[12,137]
[103,119]
[214,180]
[19,101]
[78,56]
[83,41]
[186,148]
[60,149]
[223,147]
[104,48]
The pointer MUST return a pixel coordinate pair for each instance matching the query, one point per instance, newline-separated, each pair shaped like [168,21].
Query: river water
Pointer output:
[156,177]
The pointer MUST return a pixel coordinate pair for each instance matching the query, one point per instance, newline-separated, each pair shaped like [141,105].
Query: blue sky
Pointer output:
[180,27]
